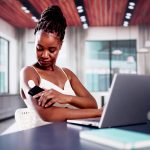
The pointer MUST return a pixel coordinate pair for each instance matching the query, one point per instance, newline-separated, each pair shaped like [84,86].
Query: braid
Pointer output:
[52,21]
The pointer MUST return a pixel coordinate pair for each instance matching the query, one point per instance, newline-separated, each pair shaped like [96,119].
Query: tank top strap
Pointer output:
[64,73]
[36,71]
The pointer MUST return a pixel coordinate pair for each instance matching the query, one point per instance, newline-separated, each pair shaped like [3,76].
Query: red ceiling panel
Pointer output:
[99,12]
[10,10]
[141,13]
[105,12]
[67,6]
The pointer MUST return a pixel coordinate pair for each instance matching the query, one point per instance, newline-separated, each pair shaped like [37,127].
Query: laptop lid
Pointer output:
[128,102]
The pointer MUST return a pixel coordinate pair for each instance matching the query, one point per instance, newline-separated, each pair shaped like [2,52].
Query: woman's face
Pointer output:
[47,49]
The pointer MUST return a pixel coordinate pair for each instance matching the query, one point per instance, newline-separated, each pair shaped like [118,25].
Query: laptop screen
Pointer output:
[128,102]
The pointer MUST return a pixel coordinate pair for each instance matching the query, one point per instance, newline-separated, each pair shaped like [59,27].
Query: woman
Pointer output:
[62,89]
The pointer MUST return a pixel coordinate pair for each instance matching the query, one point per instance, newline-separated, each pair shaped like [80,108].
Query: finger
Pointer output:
[38,95]
[50,103]
[40,101]
[45,98]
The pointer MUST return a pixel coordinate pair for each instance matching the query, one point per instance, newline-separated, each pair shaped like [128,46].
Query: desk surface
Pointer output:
[56,136]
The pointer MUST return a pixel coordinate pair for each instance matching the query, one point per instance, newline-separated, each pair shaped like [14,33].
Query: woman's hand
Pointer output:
[49,97]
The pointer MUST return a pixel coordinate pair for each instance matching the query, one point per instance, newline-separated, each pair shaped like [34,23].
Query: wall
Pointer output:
[144,61]
[140,33]
[8,32]
[9,103]
[111,33]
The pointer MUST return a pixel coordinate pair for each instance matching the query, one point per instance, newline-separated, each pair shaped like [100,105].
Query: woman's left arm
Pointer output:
[83,98]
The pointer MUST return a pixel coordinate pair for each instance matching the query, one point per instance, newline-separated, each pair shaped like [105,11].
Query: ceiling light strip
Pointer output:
[29,8]
[129,12]
[82,13]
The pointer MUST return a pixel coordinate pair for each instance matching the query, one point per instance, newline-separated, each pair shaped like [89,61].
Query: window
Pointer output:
[102,63]
[4,48]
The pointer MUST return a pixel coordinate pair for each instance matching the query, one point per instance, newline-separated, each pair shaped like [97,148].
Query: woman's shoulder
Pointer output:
[67,70]
[69,73]
[29,73]
[28,70]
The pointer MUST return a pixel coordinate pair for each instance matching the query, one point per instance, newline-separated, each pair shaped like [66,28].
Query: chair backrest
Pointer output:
[27,118]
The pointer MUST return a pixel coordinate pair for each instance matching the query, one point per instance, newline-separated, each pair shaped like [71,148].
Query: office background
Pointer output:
[95,47]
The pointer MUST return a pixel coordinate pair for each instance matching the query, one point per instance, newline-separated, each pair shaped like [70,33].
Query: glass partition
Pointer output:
[105,58]
[4,48]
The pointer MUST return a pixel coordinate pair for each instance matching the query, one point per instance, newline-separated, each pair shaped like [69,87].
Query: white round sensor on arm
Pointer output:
[31,83]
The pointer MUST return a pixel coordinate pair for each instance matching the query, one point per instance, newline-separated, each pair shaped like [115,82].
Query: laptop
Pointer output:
[128,103]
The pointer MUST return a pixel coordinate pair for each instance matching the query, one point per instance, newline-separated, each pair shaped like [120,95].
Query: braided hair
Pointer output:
[52,21]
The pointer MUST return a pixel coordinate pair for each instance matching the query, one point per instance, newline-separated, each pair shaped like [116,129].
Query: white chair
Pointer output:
[24,119]
[27,118]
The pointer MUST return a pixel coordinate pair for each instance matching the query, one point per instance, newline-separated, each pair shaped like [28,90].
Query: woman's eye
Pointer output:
[52,50]
[39,48]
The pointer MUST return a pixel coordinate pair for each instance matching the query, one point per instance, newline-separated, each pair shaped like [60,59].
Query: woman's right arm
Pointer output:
[62,114]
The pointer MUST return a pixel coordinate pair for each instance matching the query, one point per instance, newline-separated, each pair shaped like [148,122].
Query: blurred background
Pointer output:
[103,37]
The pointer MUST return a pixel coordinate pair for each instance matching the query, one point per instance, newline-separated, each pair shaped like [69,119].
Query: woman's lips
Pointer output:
[45,62]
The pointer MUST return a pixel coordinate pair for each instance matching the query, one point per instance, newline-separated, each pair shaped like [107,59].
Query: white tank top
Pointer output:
[49,85]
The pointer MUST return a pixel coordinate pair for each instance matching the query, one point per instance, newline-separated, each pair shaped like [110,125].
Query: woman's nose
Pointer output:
[45,54]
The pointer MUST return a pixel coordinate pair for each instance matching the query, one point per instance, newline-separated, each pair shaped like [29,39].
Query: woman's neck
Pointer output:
[50,68]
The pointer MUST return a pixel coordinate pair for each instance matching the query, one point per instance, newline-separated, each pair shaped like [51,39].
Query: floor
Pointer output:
[4,125]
